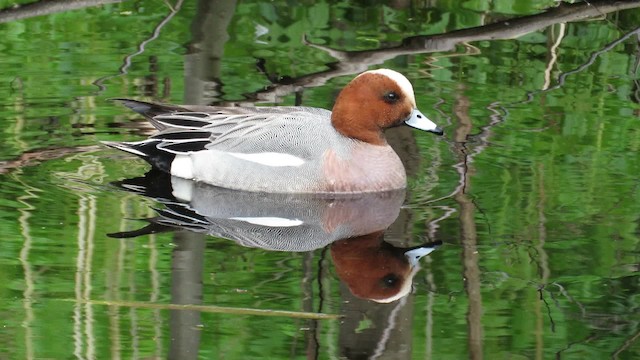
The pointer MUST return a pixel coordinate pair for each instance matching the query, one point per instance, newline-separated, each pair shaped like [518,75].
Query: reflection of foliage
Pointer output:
[557,183]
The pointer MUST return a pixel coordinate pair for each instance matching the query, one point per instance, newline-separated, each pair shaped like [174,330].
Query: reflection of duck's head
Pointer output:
[374,269]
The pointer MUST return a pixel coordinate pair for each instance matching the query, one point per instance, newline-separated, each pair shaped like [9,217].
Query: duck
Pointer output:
[287,149]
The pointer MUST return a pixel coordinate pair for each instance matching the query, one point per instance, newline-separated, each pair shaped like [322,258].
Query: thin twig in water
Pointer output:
[386,334]
[482,137]
[546,304]
[626,345]
[562,78]
[209,309]
[141,47]
[564,292]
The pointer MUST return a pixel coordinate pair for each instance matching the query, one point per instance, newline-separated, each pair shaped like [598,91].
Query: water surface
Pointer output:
[534,189]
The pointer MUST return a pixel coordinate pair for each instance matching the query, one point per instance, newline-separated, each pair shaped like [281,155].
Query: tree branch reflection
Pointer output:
[352,62]
[40,8]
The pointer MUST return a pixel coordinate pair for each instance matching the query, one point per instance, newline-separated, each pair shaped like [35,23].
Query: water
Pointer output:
[533,191]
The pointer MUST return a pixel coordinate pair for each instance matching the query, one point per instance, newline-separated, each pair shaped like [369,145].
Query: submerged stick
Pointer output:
[210,309]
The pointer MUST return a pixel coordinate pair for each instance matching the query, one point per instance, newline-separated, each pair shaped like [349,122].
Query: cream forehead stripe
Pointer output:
[400,79]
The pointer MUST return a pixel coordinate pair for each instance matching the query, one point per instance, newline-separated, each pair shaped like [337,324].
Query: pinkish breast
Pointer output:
[365,168]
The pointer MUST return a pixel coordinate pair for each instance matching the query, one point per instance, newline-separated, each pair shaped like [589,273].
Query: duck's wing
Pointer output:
[243,130]
[269,131]
[188,116]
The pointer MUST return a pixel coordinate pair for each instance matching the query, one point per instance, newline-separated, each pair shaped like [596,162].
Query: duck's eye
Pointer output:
[390,280]
[391,97]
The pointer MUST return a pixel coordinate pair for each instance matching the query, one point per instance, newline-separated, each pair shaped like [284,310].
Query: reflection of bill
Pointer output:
[374,269]
[353,225]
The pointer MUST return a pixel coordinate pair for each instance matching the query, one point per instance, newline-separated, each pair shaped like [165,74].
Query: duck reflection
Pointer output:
[352,226]
[374,269]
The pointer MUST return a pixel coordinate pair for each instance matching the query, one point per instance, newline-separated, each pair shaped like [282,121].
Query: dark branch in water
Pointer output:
[35,157]
[40,8]
[352,62]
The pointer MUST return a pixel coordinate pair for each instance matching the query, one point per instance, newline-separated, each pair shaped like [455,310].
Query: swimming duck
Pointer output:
[287,149]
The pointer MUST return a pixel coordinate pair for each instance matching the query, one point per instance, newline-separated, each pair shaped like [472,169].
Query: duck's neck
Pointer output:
[353,118]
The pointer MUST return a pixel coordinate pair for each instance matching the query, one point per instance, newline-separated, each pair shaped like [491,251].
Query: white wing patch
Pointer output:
[270,158]
[182,166]
[270,221]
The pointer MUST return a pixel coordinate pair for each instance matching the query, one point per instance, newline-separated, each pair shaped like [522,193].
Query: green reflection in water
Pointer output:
[546,232]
